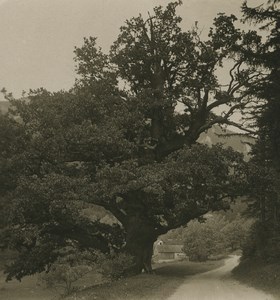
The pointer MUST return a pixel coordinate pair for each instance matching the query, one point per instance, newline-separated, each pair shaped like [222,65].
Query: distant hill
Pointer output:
[228,138]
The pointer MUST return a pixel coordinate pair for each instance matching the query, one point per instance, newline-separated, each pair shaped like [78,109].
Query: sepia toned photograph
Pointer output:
[140,149]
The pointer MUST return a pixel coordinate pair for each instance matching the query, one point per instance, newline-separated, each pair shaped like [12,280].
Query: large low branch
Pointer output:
[184,221]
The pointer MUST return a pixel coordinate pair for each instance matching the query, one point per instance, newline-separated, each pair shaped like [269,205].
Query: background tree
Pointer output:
[267,57]
[217,234]
[201,240]
[124,137]
[264,168]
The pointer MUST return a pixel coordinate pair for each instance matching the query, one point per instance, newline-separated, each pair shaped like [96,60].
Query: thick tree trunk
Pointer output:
[143,256]
[139,243]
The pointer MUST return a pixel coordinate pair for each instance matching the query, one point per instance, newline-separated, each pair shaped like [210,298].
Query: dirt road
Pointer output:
[217,285]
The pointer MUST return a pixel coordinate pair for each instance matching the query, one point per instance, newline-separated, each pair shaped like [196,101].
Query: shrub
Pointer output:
[115,265]
[71,266]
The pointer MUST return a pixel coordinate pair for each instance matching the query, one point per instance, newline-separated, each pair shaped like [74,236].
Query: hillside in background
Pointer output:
[215,135]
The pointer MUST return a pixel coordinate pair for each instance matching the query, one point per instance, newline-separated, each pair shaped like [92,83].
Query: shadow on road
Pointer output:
[186,268]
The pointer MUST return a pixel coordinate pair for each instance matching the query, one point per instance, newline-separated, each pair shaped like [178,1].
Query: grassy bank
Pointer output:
[161,285]
[259,274]
[167,278]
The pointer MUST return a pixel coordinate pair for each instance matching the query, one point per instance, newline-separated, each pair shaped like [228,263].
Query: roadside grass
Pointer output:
[27,289]
[162,284]
[259,274]
[159,286]
[33,288]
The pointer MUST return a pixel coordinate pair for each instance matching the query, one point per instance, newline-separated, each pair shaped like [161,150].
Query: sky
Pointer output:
[38,36]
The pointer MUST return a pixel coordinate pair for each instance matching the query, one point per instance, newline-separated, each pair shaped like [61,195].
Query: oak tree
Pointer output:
[124,137]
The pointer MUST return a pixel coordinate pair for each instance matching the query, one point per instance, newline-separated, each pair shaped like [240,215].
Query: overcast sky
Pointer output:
[38,36]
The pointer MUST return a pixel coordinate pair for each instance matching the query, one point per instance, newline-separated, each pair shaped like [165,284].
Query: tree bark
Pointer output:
[263,208]
[139,243]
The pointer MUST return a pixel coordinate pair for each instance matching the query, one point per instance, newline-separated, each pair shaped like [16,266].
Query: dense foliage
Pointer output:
[263,173]
[216,235]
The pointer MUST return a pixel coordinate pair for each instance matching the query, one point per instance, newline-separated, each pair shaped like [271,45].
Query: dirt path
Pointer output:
[217,285]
